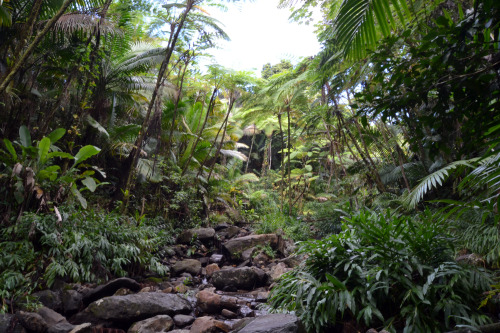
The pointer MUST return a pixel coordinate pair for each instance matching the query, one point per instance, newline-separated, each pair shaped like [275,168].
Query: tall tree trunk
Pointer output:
[135,153]
[282,163]
[251,147]
[289,163]
[22,59]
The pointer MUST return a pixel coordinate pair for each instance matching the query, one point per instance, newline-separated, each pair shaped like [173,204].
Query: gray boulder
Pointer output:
[246,278]
[236,246]
[205,235]
[8,323]
[157,324]
[110,288]
[132,308]
[273,323]
[50,299]
[191,266]
[71,301]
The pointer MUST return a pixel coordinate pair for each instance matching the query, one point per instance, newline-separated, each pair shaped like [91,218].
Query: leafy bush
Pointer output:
[384,270]
[325,216]
[87,246]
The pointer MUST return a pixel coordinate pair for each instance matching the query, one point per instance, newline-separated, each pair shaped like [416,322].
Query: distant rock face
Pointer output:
[157,324]
[236,246]
[240,278]
[205,235]
[131,308]
[274,323]
[191,266]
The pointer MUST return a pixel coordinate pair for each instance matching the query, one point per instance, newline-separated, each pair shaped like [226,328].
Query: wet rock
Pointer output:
[278,270]
[246,278]
[274,323]
[216,258]
[208,301]
[181,289]
[156,324]
[236,246]
[82,328]
[9,323]
[32,321]
[209,325]
[181,320]
[205,235]
[109,289]
[211,269]
[191,266]
[50,299]
[71,301]
[131,308]
[229,314]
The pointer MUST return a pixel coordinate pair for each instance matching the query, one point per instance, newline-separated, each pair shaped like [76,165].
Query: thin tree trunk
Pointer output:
[200,132]
[231,103]
[289,164]
[5,82]
[161,73]
[251,147]
[282,162]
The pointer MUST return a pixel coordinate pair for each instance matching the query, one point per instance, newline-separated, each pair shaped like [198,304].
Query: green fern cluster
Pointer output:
[386,271]
[86,247]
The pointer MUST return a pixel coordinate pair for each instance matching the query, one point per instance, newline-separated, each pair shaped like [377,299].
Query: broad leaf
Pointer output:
[85,153]
[43,150]
[25,136]
[90,183]
[79,196]
[10,148]
[56,134]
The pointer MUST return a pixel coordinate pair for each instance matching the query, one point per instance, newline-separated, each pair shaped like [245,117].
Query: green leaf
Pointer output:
[10,148]
[90,183]
[60,154]
[25,136]
[79,196]
[56,134]
[85,153]
[50,172]
[43,150]
[95,124]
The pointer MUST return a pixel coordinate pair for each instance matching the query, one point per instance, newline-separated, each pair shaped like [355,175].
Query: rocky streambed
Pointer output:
[219,282]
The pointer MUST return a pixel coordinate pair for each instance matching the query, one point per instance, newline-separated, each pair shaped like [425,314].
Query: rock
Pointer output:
[205,235]
[247,254]
[274,323]
[211,269]
[278,270]
[179,331]
[232,231]
[191,266]
[221,226]
[123,292]
[208,325]
[372,330]
[261,259]
[82,328]
[216,258]
[246,278]
[181,289]
[109,289]
[63,327]
[71,301]
[56,323]
[181,320]
[157,324]
[32,321]
[9,323]
[228,314]
[208,301]
[131,308]
[293,261]
[236,246]
[50,299]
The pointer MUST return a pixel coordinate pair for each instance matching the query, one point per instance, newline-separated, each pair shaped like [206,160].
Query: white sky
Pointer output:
[261,33]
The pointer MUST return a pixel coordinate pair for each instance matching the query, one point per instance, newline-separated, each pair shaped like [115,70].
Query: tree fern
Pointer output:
[434,180]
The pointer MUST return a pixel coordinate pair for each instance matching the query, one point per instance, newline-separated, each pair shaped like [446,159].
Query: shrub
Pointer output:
[87,246]
[325,216]
[383,270]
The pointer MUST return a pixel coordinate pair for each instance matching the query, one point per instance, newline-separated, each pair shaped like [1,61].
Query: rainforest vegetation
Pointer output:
[378,155]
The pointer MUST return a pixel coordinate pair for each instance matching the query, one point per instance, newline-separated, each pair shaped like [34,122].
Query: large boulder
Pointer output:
[109,289]
[273,323]
[246,278]
[157,324]
[191,266]
[71,301]
[132,308]
[205,235]
[32,321]
[236,246]
[49,298]
[9,323]
[55,322]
